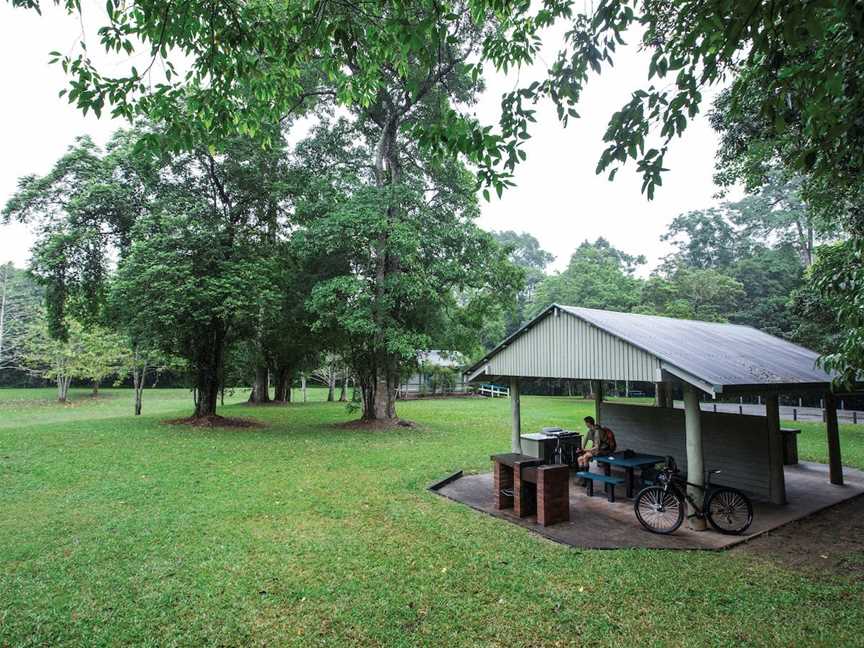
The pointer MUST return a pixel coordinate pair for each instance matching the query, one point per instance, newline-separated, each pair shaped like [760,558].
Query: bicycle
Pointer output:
[660,507]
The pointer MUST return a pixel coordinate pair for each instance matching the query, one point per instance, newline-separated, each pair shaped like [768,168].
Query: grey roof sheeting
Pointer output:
[718,355]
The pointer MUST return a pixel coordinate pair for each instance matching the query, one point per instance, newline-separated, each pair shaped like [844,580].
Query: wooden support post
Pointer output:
[597,387]
[776,476]
[835,465]
[515,407]
[695,458]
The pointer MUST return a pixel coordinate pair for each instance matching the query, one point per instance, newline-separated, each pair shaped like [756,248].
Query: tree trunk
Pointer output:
[343,392]
[138,386]
[95,388]
[303,386]
[331,385]
[283,385]
[138,399]
[208,378]
[379,390]
[379,396]
[208,393]
[63,383]
[261,387]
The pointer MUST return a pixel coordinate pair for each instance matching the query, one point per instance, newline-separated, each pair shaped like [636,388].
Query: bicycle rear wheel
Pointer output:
[659,510]
[729,511]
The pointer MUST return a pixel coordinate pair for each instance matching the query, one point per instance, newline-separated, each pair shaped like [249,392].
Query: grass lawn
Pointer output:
[116,530]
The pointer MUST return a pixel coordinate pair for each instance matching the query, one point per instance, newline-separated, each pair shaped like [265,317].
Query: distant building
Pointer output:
[438,374]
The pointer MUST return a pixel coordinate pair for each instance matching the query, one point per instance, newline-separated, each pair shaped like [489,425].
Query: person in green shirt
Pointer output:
[601,440]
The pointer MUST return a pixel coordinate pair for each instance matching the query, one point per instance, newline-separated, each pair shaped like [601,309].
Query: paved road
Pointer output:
[787,413]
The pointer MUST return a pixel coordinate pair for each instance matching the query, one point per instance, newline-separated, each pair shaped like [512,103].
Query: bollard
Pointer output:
[855,417]
[794,413]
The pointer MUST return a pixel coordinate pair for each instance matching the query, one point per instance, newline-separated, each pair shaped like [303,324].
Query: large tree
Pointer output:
[81,212]
[88,353]
[692,293]
[598,276]
[200,270]
[128,208]
[20,301]
[525,252]
[398,194]
[794,198]
[702,239]
[748,246]
[770,277]
[776,212]
[412,257]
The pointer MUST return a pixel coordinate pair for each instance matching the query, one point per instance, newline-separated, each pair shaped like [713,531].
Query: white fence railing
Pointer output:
[493,391]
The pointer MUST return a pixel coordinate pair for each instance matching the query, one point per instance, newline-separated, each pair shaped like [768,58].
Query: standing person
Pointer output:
[601,440]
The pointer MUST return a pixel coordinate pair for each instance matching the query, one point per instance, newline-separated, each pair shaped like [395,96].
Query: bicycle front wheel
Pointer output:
[729,511]
[659,510]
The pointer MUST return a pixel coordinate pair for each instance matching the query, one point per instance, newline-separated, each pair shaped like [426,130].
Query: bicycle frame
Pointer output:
[679,487]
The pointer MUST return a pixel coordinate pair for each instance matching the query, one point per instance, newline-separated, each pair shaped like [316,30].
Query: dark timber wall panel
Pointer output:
[736,444]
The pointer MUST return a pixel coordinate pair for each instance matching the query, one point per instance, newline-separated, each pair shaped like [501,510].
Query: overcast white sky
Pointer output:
[558,197]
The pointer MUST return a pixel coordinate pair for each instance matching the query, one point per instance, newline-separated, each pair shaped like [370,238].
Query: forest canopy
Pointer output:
[204,233]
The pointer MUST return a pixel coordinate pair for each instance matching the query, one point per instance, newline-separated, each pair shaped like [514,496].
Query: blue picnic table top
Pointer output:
[630,460]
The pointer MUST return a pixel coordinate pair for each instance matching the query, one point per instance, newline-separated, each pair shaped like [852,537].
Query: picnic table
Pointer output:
[628,462]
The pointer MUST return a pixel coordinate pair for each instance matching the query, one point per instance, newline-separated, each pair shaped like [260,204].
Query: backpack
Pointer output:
[611,445]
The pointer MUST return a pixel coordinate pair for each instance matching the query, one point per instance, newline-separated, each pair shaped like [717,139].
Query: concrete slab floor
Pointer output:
[595,523]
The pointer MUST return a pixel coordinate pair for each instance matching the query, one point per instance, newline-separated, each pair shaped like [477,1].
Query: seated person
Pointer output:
[601,440]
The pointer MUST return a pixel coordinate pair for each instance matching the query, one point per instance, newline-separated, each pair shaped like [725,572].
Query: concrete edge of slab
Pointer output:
[745,539]
[441,483]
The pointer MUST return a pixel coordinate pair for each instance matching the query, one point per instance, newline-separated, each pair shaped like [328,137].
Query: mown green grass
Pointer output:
[116,531]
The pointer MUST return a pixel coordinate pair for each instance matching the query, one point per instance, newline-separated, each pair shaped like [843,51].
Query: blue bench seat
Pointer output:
[609,483]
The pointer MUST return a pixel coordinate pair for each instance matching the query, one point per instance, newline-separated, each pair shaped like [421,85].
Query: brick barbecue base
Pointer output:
[503,478]
[544,490]
[553,495]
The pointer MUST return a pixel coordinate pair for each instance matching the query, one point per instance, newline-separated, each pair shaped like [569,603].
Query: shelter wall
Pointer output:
[564,346]
[735,444]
